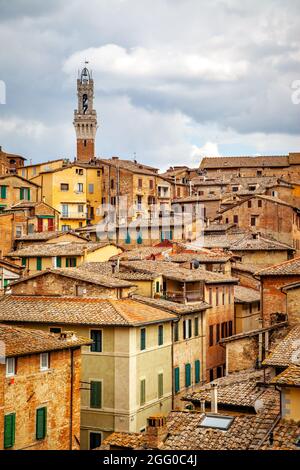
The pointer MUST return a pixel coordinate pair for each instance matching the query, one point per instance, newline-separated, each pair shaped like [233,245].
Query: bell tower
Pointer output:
[85,117]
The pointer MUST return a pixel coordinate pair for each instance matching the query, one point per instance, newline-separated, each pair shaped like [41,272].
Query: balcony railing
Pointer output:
[74,215]
[181,297]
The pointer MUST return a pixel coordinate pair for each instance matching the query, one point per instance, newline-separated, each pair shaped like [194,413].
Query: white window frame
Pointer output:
[10,360]
[43,368]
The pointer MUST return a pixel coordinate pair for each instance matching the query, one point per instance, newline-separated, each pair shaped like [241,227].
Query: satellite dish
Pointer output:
[258,405]
[195,264]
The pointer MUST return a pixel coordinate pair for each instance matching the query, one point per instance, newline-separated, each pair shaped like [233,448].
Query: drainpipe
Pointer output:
[71,398]
[260,345]
[172,363]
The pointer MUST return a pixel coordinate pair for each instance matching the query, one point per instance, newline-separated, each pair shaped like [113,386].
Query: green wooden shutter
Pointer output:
[39,263]
[24,262]
[187,375]
[139,238]
[143,392]
[96,336]
[28,194]
[21,194]
[143,339]
[95,397]
[197,371]
[3,192]
[41,423]
[58,261]
[160,385]
[177,379]
[9,430]
[160,335]
[128,239]
[196,326]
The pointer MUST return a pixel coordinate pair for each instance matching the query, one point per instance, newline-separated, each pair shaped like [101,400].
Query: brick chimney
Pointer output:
[156,430]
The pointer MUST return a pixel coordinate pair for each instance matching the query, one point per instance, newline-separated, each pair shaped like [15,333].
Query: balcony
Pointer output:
[74,215]
[180,297]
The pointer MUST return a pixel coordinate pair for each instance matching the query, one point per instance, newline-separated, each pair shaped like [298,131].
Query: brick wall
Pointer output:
[31,389]
[273,300]
[51,284]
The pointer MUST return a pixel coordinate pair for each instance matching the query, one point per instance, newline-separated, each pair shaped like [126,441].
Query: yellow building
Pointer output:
[75,191]
[57,253]
[15,189]
[31,171]
[127,372]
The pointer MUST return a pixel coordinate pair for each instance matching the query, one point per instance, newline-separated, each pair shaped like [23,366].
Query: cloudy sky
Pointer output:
[174,79]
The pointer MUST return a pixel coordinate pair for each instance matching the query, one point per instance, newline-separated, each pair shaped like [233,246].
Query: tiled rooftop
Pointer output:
[289,377]
[172,271]
[237,390]
[245,161]
[245,294]
[134,167]
[81,275]
[290,267]
[79,311]
[22,341]
[287,351]
[173,307]
[57,249]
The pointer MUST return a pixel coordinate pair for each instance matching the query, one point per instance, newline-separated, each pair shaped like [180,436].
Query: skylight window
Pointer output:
[217,422]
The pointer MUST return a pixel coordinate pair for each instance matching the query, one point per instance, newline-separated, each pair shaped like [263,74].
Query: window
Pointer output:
[58,261]
[235,219]
[140,183]
[211,375]
[253,221]
[113,200]
[96,336]
[143,392]
[80,187]
[9,430]
[39,263]
[143,339]
[217,296]
[24,262]
[96,394]
[112,184]
[160,385]
[219,372]
[249,204]
[230,328]
[10,366]
[18,231]
[188,375]
[224,330]
[3,193]
[66,228]
[259,203]
[151,184]
[25,194]
[64,210]
[218,332]
[79,171]
[160,335]
[223,296]
[71,262]
[210,300]
[55,330]
[64,187]
[217,422]
[41,423]
[211,335]
[259,173]
[187,329]
[176,379]
[235,189]
[196,326]
[176,331]
[91,188]
[80,208]
[157,287]
[98,172]
[44,361]
[197,371]
[95,440]
[229,295]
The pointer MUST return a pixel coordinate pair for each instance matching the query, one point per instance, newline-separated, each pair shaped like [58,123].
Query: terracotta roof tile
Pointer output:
[57,249]
[289,377]
[290,267]
[76,311]
[287,351]
[22,341]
